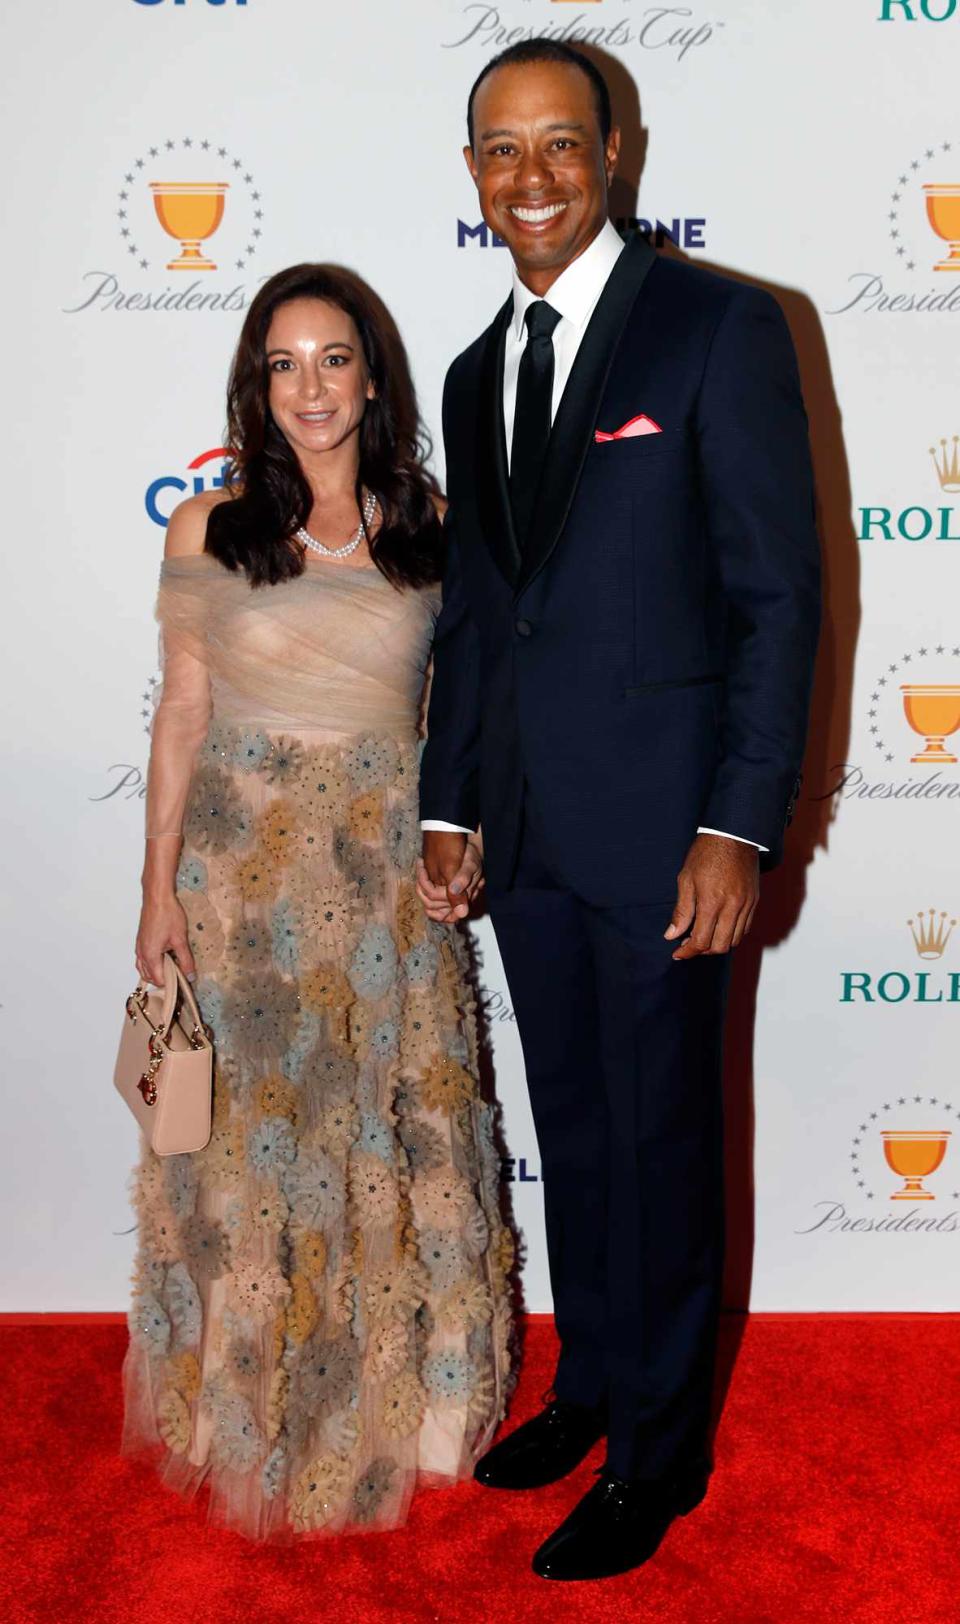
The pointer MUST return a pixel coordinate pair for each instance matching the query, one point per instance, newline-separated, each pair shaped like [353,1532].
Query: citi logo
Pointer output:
[931,11]
[206,473]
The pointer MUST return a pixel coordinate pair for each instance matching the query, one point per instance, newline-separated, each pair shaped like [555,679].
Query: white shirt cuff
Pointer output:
[449,828]
[739,838]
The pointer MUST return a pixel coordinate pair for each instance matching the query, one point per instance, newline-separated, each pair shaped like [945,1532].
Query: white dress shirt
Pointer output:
[575,295]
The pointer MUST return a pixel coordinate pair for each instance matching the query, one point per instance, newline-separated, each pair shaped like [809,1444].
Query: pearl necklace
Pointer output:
[369,513]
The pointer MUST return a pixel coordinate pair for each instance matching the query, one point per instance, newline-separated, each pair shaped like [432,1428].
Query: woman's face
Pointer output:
[319,384]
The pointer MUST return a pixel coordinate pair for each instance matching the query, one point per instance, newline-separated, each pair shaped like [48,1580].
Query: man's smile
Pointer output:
[536,214]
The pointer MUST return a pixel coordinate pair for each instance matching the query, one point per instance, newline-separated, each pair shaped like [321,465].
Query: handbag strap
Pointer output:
[176,988]
[190,999]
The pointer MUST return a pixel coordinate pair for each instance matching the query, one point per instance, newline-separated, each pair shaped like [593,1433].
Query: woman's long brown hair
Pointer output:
[270,494]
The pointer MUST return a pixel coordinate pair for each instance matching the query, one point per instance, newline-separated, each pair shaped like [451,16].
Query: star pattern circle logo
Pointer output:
[898,223]
[874,1123]
[135,175]
[907,671]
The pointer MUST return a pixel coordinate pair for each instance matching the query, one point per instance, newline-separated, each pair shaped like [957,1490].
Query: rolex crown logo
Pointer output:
[931,933]
[947,463]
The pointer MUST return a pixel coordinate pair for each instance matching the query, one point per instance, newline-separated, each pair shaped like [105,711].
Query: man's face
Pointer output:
[540,165]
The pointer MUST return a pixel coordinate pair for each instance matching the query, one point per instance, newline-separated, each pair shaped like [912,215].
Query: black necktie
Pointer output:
[531,423]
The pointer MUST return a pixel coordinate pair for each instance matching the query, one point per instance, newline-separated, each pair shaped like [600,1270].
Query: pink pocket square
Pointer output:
[629,431]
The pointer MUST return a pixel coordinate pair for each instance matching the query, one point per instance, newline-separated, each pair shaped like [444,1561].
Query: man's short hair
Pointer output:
[547,50]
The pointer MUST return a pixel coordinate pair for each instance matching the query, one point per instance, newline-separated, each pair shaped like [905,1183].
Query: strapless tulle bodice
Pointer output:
[336,649]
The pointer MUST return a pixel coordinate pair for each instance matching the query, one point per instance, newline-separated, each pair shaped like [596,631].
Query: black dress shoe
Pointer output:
[542,1450]
[618,1526]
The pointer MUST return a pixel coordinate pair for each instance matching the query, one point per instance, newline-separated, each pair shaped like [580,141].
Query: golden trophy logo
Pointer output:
[933,711]
[929,704]
[914,1154]
[889,1141]
[931,934]
[199,193]
[943,213]
[190,212]
[947,464]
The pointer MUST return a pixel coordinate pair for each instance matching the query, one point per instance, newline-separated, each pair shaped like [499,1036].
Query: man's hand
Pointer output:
[718,889]
[450,874]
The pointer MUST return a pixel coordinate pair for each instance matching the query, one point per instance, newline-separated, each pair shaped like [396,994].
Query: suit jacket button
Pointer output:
[524,628]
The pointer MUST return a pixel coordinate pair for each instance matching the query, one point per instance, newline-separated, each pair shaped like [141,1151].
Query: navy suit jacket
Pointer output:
[646,667]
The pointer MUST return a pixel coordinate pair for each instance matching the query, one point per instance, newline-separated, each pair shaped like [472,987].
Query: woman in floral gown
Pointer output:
[320,1309]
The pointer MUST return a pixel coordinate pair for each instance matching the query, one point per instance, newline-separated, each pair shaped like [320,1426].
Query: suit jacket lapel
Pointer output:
[493,488]
[580,406]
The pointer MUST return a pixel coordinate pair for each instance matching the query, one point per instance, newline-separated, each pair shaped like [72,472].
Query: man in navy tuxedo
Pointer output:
[622,673]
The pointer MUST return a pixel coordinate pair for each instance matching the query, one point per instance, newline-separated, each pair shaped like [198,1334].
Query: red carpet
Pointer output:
[835,1499]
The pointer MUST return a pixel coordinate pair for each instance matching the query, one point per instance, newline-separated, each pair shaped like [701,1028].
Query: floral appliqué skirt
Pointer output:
[320,1313]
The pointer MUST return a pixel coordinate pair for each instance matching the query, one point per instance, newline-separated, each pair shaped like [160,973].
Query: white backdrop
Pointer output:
[790,144]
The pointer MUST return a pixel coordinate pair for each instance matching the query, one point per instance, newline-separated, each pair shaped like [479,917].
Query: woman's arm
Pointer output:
[179,728]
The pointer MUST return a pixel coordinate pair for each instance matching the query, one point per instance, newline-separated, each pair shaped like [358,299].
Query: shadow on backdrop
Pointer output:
[784,889]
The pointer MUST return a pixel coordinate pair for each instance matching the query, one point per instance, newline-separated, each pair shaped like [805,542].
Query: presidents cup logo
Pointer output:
[190,212]
[930,931]
[912,717]
[922,230]
[914,1153]
[677,30]
[931,707]
[188,222]
[899,1163]
[917,521]
[127,781]
[910,1154]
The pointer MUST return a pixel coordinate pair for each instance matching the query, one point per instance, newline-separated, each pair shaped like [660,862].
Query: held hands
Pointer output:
[717,893]
[450,874]
[163,926]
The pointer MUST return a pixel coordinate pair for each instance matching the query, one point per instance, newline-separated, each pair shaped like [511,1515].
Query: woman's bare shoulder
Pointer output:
[187,529]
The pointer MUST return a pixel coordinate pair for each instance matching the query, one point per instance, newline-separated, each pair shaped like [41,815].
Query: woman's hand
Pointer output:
[163,927]
[450,875]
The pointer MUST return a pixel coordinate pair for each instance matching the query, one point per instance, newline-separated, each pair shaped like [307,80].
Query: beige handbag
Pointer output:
[164,1068]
